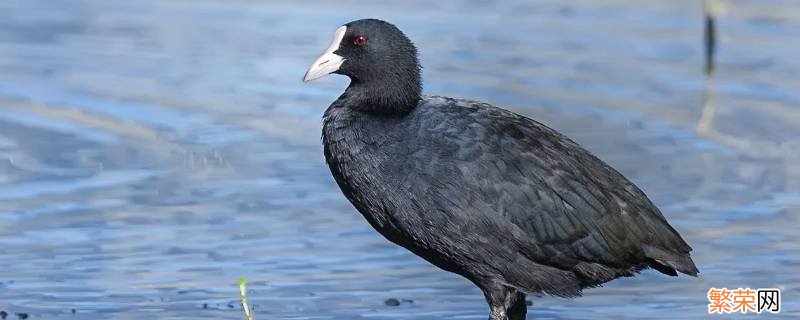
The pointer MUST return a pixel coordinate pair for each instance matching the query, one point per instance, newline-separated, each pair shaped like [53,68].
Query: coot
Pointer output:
[494,196]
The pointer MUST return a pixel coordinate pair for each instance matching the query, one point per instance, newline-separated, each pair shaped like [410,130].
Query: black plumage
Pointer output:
[496,197]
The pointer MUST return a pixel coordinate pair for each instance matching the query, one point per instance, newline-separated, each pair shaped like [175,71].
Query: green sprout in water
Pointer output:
[243,295]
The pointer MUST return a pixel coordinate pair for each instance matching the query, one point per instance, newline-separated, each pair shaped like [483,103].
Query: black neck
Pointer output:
[390,95]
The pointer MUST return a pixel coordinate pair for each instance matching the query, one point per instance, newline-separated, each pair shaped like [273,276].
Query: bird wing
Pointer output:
[575,212]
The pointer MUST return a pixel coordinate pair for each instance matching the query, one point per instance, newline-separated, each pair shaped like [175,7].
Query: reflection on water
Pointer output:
[704,126]
[152,152]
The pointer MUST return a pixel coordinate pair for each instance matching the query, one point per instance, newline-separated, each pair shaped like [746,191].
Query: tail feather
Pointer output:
[668,262]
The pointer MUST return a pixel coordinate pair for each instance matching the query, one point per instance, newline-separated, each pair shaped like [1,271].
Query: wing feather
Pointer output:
[579,213]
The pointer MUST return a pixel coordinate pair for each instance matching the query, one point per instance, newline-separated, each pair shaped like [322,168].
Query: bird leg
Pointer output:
[497,296]
[498,312]
[505,303]
[518,308]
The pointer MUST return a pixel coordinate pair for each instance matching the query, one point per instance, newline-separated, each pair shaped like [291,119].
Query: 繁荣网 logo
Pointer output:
[744,300]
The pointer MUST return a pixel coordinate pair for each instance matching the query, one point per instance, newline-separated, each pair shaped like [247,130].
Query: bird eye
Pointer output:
[361,40]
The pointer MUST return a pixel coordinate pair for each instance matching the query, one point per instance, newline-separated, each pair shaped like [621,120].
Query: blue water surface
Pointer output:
[153,152]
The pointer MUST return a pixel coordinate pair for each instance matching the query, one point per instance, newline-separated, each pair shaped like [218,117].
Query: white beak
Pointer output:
[328,62]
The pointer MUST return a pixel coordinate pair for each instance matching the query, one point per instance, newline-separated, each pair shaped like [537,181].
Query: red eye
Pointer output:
[361,40]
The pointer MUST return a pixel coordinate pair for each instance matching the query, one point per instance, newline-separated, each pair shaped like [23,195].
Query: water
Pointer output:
[153,152]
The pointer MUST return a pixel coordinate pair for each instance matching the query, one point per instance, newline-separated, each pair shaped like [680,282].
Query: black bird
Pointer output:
[496,197]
